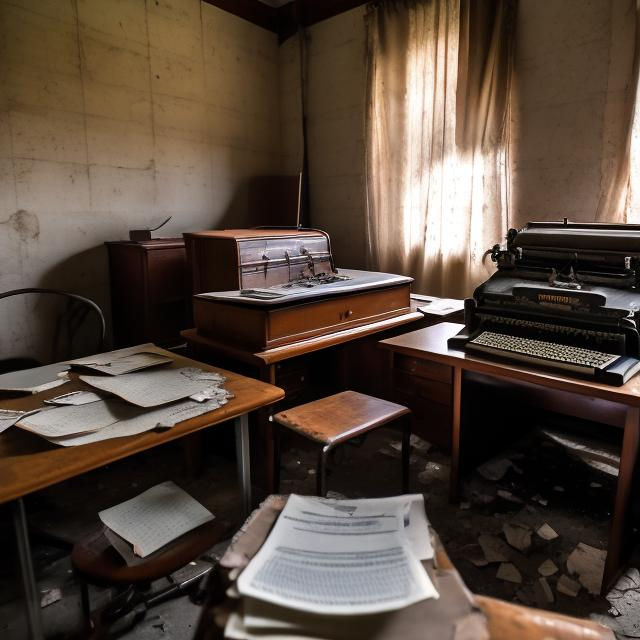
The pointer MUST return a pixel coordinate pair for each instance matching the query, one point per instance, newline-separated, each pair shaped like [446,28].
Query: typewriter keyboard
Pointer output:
[528,349]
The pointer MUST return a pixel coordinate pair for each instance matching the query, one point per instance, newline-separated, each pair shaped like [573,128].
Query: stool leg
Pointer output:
[406,452]
[321,472]
[277,457]
[86,603]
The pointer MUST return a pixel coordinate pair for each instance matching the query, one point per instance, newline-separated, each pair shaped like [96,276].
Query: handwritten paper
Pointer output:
[156,517]
[122,361]
[156,387]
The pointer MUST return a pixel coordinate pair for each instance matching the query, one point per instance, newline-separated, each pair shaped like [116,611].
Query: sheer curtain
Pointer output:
[437,104]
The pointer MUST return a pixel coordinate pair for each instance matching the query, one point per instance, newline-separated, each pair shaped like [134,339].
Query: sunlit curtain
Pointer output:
[437,105]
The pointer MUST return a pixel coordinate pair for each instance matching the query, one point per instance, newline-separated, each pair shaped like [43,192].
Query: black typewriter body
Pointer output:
[565,298]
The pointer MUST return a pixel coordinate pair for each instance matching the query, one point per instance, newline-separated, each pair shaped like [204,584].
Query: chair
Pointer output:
[74,316]
[338,418]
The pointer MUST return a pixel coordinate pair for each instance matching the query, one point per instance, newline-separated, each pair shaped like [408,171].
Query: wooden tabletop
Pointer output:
[29,463]
[431,343]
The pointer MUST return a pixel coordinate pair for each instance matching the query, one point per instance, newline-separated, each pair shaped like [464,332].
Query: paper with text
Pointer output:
[155,387]
[322,558]
[122,361]
[156,517]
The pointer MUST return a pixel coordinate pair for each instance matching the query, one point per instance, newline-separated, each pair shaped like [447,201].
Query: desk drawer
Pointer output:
[422,388]
[429,420]
[293,379]
[424,368]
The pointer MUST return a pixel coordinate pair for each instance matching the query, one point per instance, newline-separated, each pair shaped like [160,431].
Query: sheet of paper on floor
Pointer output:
[36,379]
[155,387]
[155,517]
[122,361]
[361,564]
[142,420]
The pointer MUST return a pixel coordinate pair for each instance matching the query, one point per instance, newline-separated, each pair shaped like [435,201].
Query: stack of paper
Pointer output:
[115,363]
[152,520]
[36,379]
[330,568]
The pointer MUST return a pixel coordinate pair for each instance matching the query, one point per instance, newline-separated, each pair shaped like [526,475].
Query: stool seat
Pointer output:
[340,417]
[335,419]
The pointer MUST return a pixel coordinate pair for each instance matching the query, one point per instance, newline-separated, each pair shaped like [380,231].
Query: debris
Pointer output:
[546,589]
[547,568]
[568,586]
[595,453]
[546,532]
[509,572]
[494,469]
[625,601]
[517,535]
[494,549]
[474,554]
[390,452]
[558,488]
[419,444]
[49,597]
[465,505]
[507,495]
[335,495]
[433,471]
[588,563]
[540,500]
[396,445]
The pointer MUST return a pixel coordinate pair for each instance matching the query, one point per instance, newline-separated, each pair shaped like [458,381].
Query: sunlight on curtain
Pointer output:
[436,155]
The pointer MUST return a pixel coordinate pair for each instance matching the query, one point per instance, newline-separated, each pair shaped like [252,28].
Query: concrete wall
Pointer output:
[115,114]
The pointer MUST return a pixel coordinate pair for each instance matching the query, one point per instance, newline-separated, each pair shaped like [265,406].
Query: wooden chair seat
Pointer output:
[338,418]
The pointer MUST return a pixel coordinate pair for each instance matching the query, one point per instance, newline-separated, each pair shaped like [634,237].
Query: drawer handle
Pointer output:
[346,314]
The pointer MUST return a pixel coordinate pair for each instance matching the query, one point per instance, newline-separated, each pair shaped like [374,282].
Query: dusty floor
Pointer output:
[540,483]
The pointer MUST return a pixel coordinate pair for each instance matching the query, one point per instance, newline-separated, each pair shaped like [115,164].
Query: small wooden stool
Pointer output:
[338,418]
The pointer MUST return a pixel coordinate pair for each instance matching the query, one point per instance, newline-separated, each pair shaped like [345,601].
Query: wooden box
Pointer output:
[254,258]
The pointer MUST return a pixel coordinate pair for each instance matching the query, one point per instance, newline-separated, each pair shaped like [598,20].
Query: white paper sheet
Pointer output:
[321,558]
[9,417]
[156,387]
[36,379]
[60,422]
[142,420]
[442,306]
[75,398]
[156,517]
[122,361]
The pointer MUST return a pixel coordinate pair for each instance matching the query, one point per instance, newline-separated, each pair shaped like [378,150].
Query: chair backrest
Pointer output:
[68,322]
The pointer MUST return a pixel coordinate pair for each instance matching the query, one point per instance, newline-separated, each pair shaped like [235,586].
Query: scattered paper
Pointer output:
[474,554]
[495,550]
[509,572]
[625,600]
[495,469]
[442,306]
[8,417]
[326,559]
[547,568]
[122,361]
[36,379]
[588,563]
[75,398]
[518,536]
[156,517]
[568,586]
[157,386]
[507,495]
[49,597]
[546,590]
[546,532]
[419,444]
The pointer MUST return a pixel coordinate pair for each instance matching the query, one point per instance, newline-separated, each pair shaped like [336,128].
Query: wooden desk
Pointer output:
[617,406]
[29,463]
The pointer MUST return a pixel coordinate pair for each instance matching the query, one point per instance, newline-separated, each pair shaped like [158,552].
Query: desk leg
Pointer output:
[454,480]
[243,460]
[30,586]
[619,540]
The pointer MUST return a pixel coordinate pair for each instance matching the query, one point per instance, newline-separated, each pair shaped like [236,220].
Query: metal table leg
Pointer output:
[243,461]
[31,593]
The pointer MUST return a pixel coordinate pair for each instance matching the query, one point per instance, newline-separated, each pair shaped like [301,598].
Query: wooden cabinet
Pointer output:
[150,293]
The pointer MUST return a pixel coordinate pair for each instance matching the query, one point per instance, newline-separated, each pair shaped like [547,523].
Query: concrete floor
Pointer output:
[578,508]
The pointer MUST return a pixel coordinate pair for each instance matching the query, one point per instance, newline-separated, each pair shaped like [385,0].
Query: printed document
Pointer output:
[156,517]
[121,361]
[155,387]
[337,561]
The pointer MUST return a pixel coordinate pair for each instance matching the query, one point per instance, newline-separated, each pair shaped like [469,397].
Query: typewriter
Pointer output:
[565,297]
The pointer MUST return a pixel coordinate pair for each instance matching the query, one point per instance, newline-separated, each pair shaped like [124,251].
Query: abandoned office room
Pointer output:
[319,319]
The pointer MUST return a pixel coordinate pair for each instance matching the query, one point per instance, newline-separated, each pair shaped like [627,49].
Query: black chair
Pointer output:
[69,322]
